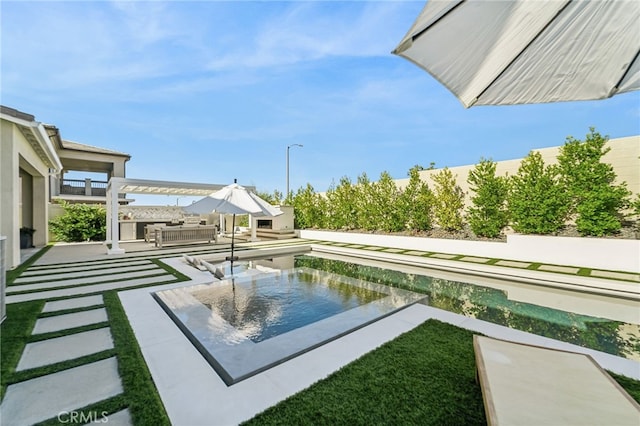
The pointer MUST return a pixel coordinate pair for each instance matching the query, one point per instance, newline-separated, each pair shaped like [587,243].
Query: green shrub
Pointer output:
[416,203]
[635,212]
[80,222]
[386,196]
[308,208]
[488,213]
[449,201]
[341,205]
[366,209]
[598,213]
[595,199]
[538,204]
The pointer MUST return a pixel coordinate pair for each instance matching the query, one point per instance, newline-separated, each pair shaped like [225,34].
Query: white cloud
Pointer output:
[316,30]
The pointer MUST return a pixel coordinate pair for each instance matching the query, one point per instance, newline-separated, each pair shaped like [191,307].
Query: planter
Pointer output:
[598,253]
[26,238]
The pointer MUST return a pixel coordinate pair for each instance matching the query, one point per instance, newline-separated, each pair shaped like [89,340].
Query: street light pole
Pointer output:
[286,195]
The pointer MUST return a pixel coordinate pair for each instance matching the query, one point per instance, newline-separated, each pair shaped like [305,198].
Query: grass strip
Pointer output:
[70,311]
[630,385]
[63,276]
[107,281]
[105,263]
[32,373]
[140,391]
[14,332]
[16,272]
[426,377]
[67,331]
[100,292]
[179,275]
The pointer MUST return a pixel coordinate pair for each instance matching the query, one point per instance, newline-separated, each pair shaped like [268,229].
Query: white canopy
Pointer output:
[118,186]
[527,51]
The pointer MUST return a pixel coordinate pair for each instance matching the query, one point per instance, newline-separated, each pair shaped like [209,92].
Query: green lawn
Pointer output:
[425,376]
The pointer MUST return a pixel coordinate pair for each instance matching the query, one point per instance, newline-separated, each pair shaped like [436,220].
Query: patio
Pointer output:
[191,379]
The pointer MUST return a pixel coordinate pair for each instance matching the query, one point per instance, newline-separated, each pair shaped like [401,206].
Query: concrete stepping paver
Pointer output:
[65,348]
[78,302]
[45,397]
[615,275]
[84,280]
[93,288]
[563,269]
[444,255]
[393,250]
[416,253]
[121,418]
[74,268]
[66,321]
[67,275]
[475,259]
[513,264]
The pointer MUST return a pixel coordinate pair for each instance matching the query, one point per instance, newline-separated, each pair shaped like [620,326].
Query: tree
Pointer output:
[594,198]
[80,222]
[488,213]
[538,204]
[366,210]
[416,202]
[385,198]
[275,198]
[449,201]
[341,211]
[308,207]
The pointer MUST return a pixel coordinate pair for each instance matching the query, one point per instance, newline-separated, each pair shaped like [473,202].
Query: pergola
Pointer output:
[117,186]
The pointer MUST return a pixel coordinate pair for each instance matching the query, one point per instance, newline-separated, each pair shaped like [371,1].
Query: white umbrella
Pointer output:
[526,51]
[233,199]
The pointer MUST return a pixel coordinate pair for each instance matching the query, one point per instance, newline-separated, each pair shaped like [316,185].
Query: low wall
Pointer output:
[597,253]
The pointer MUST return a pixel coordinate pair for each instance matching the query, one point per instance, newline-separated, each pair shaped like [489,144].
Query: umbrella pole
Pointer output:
[233,234]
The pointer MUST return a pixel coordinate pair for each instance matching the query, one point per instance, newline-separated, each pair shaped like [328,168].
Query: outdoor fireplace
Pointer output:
[265,224]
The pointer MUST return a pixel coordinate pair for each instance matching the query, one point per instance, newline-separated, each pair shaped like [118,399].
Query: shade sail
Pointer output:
[524,51]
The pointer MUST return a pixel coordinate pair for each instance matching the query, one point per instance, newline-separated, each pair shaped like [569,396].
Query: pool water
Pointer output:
[283,302]
[262,317]
[601,323]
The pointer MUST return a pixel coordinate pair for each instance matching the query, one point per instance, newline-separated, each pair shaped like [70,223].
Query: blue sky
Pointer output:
[210,91]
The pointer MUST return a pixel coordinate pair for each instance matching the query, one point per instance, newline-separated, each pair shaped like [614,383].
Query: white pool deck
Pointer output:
[193,393]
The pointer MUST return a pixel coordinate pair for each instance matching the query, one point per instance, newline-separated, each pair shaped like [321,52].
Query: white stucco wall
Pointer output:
[624,156]
[18,156]
[598,253]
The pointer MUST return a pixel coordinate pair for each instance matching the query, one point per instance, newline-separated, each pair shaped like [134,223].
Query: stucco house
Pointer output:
[33,161]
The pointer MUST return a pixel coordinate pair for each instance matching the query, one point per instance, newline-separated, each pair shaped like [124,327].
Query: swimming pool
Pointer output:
[603,323]
[266,315]
[263,317]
